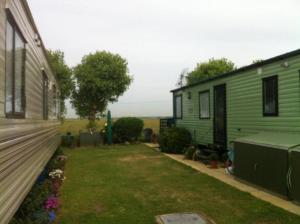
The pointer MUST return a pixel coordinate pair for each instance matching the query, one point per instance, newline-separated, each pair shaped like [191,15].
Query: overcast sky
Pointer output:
[160,38]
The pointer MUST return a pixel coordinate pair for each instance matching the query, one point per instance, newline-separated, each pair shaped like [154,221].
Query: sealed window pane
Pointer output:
[204,105]
[19,69]
[178,107]
[15,71]
[45,96]
[270,96]
[9,69]
[55,101]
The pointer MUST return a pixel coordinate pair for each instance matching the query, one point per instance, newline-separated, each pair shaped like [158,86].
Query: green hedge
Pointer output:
[174,140]
[127,129]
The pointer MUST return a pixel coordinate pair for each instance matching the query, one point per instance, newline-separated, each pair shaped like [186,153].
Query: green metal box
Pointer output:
[263,160]
[294,175]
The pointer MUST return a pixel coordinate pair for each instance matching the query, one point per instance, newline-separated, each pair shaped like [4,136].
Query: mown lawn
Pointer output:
[132,184]
[75,125]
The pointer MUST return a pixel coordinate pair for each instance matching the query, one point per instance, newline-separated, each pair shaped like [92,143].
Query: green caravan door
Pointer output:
[220,129]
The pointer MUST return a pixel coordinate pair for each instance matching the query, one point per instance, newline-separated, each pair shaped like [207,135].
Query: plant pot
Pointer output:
[213,164]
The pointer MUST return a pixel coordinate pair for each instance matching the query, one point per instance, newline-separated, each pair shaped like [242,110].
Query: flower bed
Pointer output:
[41,204]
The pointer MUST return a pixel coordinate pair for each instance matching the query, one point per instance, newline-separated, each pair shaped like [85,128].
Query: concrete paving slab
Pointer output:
[152,145]
[182,218]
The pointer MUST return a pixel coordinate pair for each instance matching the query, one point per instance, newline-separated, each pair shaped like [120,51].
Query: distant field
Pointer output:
[75,125]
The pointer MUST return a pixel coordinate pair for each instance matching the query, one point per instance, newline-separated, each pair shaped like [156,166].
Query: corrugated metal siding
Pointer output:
[22,159]
[244,103]
[27,144]
[2,57]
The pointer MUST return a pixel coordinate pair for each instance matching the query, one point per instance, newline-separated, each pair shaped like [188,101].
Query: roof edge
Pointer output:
[242,69]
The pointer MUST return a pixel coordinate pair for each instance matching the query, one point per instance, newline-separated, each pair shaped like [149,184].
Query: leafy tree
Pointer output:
[208,69]
[182,78]
[101,78]
[64,76]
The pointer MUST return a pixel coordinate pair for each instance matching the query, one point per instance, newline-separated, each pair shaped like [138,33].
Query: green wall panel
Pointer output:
[244,103]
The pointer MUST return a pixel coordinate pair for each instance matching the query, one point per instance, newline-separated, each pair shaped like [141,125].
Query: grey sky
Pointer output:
[159,38]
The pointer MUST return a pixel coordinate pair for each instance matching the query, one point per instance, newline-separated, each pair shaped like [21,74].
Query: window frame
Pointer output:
[276,112]
[13,114]
[209,115]
[54,100]
[58,105]
[45,83]
[175,106]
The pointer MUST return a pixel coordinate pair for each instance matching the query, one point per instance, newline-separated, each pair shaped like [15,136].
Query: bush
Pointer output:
[55,162]
[174,140]
[127,129]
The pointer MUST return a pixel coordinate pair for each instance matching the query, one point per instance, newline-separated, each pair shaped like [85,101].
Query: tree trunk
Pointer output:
[92,117]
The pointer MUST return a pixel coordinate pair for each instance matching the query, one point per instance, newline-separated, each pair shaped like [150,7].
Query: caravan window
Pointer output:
[15,71]
[45,96]
[178,107]
[55,102]
[270,96]
[204,105]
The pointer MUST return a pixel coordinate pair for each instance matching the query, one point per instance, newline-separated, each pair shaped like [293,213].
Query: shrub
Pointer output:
[127,129]
[54,164]
[57,161]
[174,140]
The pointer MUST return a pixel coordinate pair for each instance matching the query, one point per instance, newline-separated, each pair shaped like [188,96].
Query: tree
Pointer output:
[100,79]
[64,76]
[182,78]
[208,69]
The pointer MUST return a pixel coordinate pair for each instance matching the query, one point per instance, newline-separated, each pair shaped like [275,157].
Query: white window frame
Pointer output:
[176,115]
[201,113]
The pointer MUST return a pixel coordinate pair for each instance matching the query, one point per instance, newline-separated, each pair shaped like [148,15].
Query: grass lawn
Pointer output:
[132,184]
[75,125]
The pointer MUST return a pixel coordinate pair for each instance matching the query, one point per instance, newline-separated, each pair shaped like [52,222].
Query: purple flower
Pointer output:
[51,203]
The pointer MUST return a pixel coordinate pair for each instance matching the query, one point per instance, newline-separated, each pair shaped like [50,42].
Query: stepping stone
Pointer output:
[183,218]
